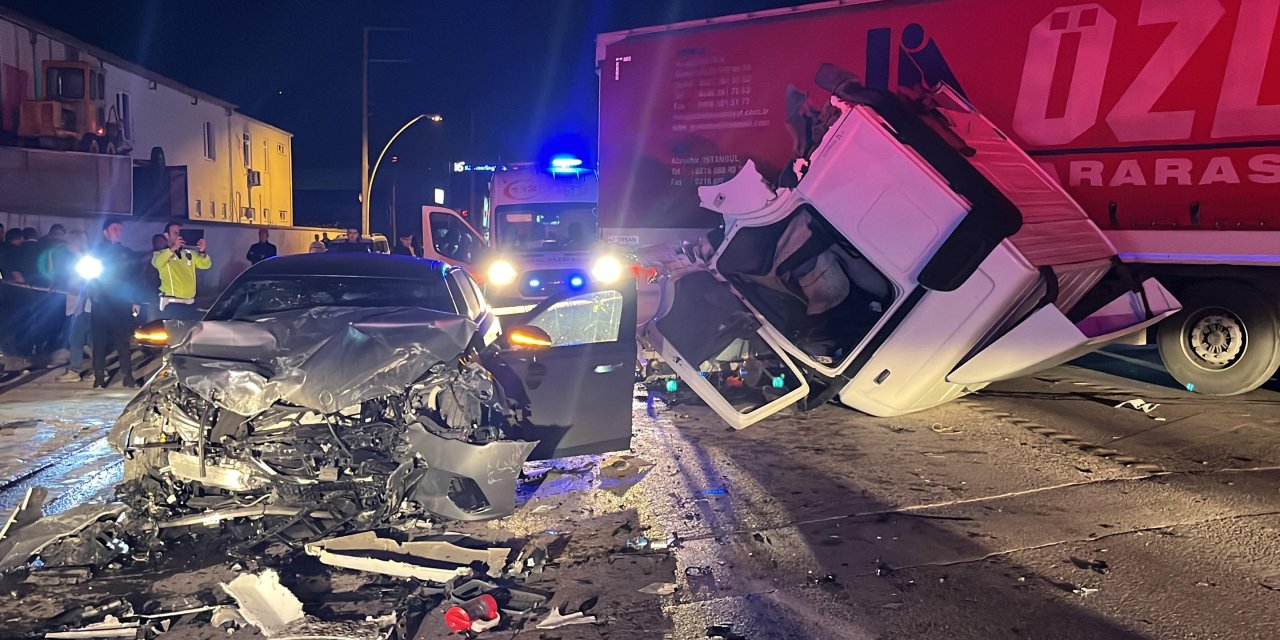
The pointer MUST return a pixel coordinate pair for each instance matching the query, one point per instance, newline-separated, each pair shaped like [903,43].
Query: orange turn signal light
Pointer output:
[158,337]
[528,337]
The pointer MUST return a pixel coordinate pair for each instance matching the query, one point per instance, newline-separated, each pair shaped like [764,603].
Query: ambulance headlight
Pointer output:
[606,269]
[89,267]
[502,273]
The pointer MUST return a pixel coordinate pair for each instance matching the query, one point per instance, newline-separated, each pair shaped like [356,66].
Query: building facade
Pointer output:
[221,165]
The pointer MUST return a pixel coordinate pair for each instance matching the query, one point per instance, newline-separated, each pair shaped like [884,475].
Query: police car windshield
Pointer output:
[546,227]
[259,297]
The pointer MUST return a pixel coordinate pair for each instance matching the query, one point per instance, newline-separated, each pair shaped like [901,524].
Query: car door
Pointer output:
[450,238]
[575,394]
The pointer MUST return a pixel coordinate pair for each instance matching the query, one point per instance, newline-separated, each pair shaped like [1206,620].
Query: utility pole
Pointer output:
[471,154]
[364,136]
[364,123]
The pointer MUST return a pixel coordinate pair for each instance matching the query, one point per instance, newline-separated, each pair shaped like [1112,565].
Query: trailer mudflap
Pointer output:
[1046,338]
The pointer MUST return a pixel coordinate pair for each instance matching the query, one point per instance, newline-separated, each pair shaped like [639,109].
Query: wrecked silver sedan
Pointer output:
[330,392]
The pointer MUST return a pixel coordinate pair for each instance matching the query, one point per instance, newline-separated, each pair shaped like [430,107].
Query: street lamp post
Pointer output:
[364,122]
[368,187]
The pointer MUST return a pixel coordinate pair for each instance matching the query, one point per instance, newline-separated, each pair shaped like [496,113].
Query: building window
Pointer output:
[198,211]
[280,148]
[244,146]
[224,211]
[210,144]
[122,112]
[266,158]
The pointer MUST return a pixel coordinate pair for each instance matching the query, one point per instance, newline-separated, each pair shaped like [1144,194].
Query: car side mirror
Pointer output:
[528,337]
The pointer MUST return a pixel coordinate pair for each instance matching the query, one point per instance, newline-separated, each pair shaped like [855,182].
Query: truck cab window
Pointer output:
[809,282]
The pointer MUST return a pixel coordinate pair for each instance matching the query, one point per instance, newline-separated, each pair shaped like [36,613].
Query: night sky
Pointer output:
[526,69]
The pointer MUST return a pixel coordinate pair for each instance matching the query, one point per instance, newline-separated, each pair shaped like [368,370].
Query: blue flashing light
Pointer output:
[577,282]
[535,283]
[565,162]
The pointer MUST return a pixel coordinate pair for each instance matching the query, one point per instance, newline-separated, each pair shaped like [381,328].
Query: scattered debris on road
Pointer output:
[1098,566]
[659,588]
[557,618]
[1138,404]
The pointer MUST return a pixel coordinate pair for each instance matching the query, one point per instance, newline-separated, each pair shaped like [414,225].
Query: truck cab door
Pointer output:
[574,393]
[721,351]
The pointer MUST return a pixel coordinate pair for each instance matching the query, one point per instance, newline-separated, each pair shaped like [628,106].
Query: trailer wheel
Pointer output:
[1224,341]
[89,143]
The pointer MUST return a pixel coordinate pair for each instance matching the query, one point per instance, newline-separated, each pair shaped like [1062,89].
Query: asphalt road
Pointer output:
[1034,509]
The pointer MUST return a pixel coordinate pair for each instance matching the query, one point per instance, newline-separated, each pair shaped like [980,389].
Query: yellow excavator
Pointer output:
[73,113]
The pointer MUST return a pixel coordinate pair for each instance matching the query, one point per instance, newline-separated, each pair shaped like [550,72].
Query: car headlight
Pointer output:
[502,273]
[606,269]
[89,267]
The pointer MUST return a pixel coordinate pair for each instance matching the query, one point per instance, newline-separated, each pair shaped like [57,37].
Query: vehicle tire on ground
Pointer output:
[1224,341]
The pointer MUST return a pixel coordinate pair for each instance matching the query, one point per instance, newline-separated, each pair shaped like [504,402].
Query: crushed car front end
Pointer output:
[320,419]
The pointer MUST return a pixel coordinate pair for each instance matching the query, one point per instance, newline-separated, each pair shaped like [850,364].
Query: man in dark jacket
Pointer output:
[405,248]
[11,257]
[352,244]
[113,296]
[262,250]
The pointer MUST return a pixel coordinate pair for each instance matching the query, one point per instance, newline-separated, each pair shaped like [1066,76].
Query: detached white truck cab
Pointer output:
[543,236]
[916,256]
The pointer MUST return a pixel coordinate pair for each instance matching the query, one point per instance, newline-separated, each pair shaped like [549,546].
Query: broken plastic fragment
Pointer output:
[264,602]
[1140,405]
[222,616]
[111,627]
[556,619]
[368,552]
[619,473]
[659,588]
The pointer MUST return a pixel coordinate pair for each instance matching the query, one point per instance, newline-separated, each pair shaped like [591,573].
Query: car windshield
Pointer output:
[255,298]
[546,227]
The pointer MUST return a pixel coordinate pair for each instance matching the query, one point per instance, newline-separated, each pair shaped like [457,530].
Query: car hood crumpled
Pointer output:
[322,358]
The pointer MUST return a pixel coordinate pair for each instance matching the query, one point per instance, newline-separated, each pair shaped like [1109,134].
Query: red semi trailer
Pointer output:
[1160,117]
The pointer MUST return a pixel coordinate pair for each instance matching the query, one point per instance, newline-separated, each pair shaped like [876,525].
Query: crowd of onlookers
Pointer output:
[104,288]
[110,289]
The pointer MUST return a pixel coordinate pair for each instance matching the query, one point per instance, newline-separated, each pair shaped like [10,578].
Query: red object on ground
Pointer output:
[480,608]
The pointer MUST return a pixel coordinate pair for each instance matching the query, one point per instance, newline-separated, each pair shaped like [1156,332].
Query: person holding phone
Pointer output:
[177,264]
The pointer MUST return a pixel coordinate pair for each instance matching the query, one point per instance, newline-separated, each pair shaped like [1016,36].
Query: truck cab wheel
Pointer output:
[1224,341]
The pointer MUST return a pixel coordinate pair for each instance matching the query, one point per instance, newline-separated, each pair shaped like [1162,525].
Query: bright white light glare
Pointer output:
[535,283]
[502,273]
[606,269]
[439,196]
[89,267]
[565,162]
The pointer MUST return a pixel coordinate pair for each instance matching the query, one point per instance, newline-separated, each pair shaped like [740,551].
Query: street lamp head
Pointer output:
[435,117]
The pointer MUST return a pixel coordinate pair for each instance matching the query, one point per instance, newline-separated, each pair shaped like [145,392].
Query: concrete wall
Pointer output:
[35,182]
